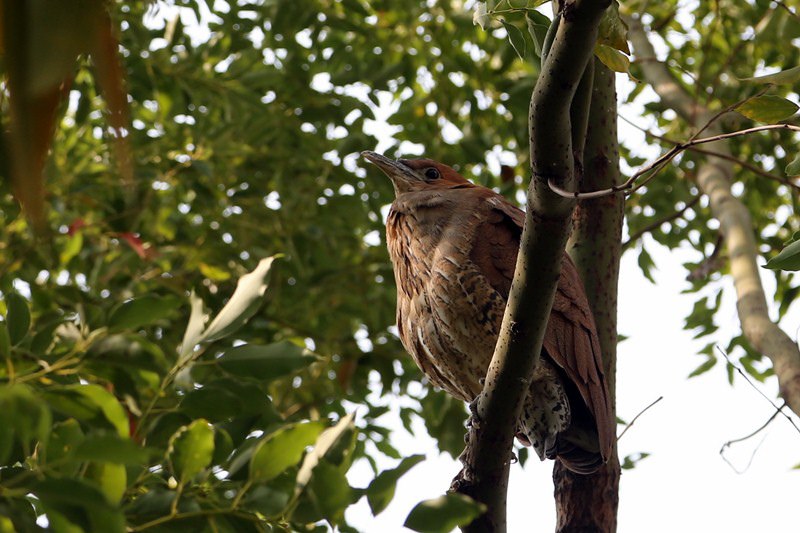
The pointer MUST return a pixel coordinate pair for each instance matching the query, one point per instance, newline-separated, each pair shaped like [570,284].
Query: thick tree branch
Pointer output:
[589,503]
[487,456]
[714,179]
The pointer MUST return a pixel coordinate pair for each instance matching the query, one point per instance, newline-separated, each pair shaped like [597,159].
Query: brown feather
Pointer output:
[454,247]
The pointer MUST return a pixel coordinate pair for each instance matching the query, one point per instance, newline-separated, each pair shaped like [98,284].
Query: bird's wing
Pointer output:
[571,336]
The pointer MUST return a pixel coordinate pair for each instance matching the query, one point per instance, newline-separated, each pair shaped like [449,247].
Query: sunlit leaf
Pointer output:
[110,477]
[191,449]
[783,77]
[279,450]
[244,302]
[89,402]
[612,58]
[768,108]
[323,445]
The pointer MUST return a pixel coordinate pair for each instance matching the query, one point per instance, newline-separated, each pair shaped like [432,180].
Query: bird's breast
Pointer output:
[448,315]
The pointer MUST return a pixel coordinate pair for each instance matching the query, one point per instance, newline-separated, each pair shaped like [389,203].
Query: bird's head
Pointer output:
[409,175]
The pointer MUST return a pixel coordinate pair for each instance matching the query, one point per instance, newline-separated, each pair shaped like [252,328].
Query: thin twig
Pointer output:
[787,8]
[635,418]
[747,379]
[748,166]
[754,433]
[752,456]
[659,163]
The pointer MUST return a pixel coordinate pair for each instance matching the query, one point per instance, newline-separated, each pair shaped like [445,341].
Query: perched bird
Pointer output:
[454,246]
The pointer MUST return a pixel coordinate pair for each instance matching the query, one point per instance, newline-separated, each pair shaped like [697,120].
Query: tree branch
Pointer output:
[487,456]
[653,167]
[714,179]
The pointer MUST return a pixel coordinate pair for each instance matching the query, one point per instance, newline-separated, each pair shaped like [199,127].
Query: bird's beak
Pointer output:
[403,177]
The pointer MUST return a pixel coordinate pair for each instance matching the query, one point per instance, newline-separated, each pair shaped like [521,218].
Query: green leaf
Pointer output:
[784,77]
[787,259]
[538,24]
[613,31]
[646,264]
[139,312]
[89,402]
[5,341]
[516,38]
[24,418]
[279,450]
[631,460]
[112,449]
[110,477]
[81,503]
[768,108]
[381,491]
[243,304]
[266,500]
[612,58]
[66,436]
[705,366]
[326,441]
[191,449]
[71,249]
[18,317]
[329,492]
[444,513]
[793,168]
[265,362]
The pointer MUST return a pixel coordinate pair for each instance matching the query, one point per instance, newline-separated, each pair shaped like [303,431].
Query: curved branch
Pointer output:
[487,456]
[714,179]
[653,167]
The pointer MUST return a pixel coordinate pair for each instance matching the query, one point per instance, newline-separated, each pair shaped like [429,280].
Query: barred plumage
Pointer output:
[454,246]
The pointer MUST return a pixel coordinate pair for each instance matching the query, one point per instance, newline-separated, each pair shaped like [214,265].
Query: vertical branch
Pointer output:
[487,456]
[589,503]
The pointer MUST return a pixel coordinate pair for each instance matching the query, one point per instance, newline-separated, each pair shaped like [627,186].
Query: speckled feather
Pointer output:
[454,246]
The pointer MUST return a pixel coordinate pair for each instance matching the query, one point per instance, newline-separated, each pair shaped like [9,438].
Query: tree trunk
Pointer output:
[589,503]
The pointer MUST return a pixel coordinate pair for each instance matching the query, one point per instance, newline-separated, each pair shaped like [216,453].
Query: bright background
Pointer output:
[684,484]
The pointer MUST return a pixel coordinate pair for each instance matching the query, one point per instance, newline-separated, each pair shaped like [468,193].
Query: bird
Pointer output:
[453,246]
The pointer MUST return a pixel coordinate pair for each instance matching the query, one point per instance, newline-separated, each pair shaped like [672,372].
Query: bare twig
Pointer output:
[752,455]
[635,418]
[744,164]
[747,379]
[653,168]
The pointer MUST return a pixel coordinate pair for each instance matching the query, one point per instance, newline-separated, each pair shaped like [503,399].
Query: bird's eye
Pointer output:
[432,173]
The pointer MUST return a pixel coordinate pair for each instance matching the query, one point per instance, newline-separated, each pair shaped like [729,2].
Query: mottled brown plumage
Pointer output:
[454,247]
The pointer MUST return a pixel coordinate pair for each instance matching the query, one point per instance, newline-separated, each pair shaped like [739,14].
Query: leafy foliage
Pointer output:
[224,133]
